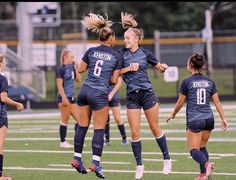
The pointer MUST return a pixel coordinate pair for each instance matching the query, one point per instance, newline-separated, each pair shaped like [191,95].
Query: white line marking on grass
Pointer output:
[103,162]
[110,170]
[118,138]
[156,160]
[112,152]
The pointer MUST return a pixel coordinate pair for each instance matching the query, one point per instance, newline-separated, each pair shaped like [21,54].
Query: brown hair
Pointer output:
[197,61]
[2,58]
[99,24]
[63,54]
[128,22]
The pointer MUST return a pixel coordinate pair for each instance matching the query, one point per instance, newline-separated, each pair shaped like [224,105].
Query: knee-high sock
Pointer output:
[79,141]
[137,151]
[161,141]
[107,129]
[76,126]
[205,152]
[63,131]
[198,156]
[97,145]
[122,131]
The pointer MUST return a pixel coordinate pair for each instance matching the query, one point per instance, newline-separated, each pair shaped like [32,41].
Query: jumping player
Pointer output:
[139,93]
[103,64]
[199,90]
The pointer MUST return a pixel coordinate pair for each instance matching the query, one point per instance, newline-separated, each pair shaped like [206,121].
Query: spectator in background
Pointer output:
[66,75]
[4,99]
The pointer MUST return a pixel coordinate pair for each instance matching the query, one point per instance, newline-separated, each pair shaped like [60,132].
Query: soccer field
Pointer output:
[32,149]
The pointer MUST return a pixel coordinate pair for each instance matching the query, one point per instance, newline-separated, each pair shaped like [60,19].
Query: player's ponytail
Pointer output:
[97,23]
[128,22]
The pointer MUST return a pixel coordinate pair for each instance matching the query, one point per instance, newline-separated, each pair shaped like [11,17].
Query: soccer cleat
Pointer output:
[209,169]
[5,178]
[97,170]
[139,172]
[107,142]
[78,165]
[201,177]
[125,142]
[167,166]
[65,144]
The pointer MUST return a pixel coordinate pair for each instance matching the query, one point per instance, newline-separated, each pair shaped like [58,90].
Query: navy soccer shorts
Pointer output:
[71,100]
[95,98]
[141,98]
[3,122]
[115,100]
[201,125]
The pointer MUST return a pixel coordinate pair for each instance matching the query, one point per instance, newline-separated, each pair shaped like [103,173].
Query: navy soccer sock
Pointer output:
[107,129]
[97,145]
[79,141]
[205,152]
[122,131]
[198,156]
[63,131]
[161,141]
[76,126]
[137,151]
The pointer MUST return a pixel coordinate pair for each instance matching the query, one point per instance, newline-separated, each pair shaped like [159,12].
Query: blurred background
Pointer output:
[32,35]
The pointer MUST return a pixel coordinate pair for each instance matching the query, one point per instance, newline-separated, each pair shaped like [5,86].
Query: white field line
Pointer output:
[112,152]
[156,160]
[123,111]
[144,138]
[111,170]
[37,131]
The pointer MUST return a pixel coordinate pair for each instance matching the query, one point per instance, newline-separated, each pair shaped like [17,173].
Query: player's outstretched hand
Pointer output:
[169,118]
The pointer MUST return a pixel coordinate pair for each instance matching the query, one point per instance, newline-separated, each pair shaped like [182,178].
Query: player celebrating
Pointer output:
[4,99]
[139,93]
[103,64]
[66,74]
[198,90]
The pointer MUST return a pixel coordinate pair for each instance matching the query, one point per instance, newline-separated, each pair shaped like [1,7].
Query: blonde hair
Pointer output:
[97,23]
[64,52]
[2,58]
[128,22]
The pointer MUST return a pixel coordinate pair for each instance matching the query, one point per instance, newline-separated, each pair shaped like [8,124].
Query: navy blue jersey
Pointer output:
[3,88]
[136,80]
[198,90]
[101,61]
[67,73]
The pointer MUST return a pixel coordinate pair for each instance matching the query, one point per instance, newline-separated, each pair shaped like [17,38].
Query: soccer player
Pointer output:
[103,64]
[139,92]
[4,99]
[66,75]
[114,104]
[198,90]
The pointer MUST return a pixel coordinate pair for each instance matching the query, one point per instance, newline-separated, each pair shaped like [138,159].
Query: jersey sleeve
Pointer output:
[4,85]
[183,88]
[59,73]
[151,58]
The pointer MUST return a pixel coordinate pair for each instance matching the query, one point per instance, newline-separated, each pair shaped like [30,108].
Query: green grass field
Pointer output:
[32,149]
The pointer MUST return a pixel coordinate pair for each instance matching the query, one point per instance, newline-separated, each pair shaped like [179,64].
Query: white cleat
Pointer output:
[65,144]
[167,166]
[139,172]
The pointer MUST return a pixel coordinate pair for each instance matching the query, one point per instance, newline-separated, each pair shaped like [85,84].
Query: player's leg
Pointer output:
[99,123]
[116,110]
[3,134]
[152,116]
[75,113]
[107,132]
[65,115]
